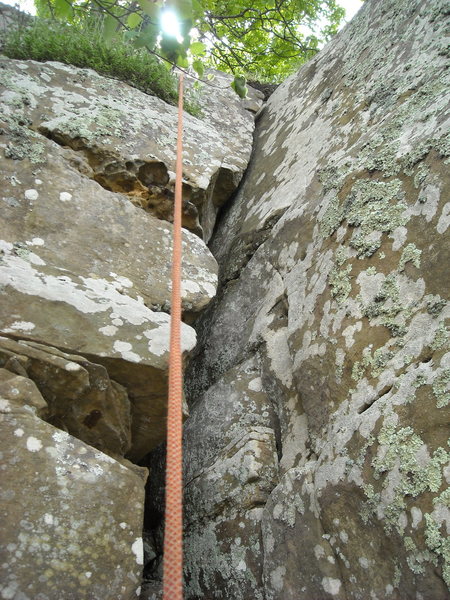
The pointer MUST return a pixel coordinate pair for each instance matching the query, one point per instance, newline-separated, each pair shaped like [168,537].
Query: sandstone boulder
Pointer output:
[82,269]
[71,515]
[125,140]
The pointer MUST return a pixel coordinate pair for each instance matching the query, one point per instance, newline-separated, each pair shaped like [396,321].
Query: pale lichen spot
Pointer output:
[19,432]
[33,444]
[65,197]
[444,219]
[120,346]
[36,241]
[255,384]
[138,550]
[158,339]
[72,366]
[125,349]
[189,287]
[416,515]
[61,436]
[277,578]
[5,407]
[34,259]
[108,330]
[31,194]
[21,326]
[241,566]
[277,511]
[319,551]
[88,574]
[363,562]
[331,585]
[124,281]
[48,519]
[123,525]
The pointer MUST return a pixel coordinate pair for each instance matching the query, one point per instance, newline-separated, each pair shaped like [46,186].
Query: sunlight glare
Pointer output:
[170,23]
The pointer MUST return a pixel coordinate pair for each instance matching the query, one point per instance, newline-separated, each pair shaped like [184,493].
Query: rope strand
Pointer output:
[173,531]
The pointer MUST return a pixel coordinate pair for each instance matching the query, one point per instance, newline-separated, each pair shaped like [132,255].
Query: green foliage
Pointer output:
[51,40]
[265,41]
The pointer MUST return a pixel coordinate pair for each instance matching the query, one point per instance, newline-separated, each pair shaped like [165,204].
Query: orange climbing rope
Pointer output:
[173,531]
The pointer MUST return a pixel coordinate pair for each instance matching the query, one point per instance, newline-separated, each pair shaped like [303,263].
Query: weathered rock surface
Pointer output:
[82,268]
[71,515]
[86,199]
[334,291]
[125,140]
[80,397]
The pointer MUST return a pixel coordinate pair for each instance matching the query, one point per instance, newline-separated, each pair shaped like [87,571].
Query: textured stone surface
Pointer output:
[230,469]
[83,269]
[80,397]
[334,286]
[125,140]
[71,515]
[86,198]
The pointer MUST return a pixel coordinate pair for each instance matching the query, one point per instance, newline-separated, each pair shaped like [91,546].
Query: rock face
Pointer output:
[86,198]
[317,447]
[61,538]
[125,140]
[316,451]
[83,268]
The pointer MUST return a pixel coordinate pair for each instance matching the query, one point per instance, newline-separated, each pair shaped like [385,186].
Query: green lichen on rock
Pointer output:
[439,543]
[441,389]
[331,219]
[90,125]
[24,143]
[410,254]
[441,337]
[388,307]
[369,507]
[22,250]
[440,144]
[373,208]
[374,363]
[400,450]
[380,153]
[332,177]
[435,305]
[421,174]
[340,283]
[408,470]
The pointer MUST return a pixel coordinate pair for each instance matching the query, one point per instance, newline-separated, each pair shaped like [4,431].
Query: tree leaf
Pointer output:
[151,8]
[199,68]
[134,20]
[238,85]
[171,48]
[63,9]
[183,8]
[183,62]
[147,37]
[109,28]
[197,49]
